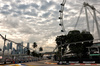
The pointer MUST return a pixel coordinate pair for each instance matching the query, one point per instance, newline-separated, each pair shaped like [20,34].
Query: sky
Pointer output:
[37,20]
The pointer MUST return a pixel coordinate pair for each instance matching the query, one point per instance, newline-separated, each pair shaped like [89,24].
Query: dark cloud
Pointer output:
[30,13]
[23,6]
[5,7]
[15,15]
[18,12]
[5,12]
[46,15]
[34,5]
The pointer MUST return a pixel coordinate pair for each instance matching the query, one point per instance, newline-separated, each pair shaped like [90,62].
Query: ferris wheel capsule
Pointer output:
[60,17]
[62,30]
[60,24]
[62,4]
[61,11]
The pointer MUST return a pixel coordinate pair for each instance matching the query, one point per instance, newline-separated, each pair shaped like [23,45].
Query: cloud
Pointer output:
[37,20]
[30,13]
[34,5]
[47,5]
[23,6]
[5,12]
[11,22]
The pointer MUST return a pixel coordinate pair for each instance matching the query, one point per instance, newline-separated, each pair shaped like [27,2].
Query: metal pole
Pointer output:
[4,45]
[87,16]
[96,23]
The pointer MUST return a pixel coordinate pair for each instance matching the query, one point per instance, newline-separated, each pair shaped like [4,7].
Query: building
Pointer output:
[14,51]
[25,51]
[20,48]
[8,46]
[4,48]
[28,46]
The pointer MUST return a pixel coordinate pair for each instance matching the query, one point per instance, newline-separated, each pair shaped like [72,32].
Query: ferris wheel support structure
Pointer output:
[96,24]
[95,18]
[86,17]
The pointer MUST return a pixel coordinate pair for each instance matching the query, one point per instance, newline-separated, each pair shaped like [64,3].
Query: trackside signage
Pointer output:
[88,61]
[82,62]
[73,61]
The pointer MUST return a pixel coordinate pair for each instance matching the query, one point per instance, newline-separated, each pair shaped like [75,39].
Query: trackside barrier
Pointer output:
[20,59]
[75,63]
[13,62]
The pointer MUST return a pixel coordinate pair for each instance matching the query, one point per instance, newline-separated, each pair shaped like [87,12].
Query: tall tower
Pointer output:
[14,51]
[21,47]
[28,45]
[5,47]
[10,46]
[17,49]
[25,50]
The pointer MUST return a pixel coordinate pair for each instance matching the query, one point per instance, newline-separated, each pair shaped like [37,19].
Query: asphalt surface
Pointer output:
[41,63]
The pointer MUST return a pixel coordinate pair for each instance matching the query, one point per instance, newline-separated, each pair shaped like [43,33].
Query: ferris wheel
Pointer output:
[87,9]
[61,16]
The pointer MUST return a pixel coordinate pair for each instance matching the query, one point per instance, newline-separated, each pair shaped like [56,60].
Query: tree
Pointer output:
[76,36]
[35,54]
[28,52]
[86,36]
[61,40]
[34,45]
[40,49]
[0,49]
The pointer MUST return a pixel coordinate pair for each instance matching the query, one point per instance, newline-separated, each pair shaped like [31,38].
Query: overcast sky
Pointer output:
[37,20]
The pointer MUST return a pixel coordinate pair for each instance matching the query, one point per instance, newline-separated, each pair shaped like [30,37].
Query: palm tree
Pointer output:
[40,49]
[34,45]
